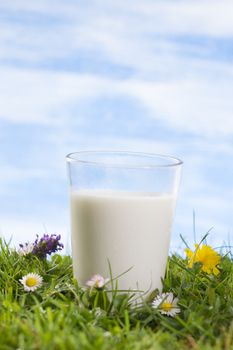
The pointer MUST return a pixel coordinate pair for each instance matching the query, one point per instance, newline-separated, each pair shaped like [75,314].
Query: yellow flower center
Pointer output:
[31,282]
[166,306]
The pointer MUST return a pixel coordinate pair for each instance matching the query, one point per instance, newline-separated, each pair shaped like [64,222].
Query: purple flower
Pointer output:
[43,246]
[47,245]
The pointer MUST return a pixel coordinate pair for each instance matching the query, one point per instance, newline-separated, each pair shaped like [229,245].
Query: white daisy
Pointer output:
[97,281]
[31,282]
[166,304]
[25,249]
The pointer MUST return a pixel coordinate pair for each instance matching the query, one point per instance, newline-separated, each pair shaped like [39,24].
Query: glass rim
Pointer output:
[76,157]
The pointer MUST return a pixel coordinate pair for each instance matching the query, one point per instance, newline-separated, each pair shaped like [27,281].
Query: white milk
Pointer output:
[129,229]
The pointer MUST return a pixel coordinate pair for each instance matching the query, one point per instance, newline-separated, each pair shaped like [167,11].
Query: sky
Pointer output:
[152,76]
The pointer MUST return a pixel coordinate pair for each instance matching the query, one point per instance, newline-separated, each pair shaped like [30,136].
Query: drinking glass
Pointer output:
[122,208]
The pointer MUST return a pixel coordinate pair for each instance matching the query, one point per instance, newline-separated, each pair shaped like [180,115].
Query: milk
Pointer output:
[132,230]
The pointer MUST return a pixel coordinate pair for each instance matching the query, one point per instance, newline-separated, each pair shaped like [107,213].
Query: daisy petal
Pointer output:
[31,282]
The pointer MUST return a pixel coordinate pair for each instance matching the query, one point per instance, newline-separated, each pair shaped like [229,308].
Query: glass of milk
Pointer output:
[122,208]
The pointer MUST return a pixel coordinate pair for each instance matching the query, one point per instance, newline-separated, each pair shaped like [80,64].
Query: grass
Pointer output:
[60,315]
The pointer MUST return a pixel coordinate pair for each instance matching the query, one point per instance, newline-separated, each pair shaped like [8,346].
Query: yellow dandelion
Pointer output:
[206,256]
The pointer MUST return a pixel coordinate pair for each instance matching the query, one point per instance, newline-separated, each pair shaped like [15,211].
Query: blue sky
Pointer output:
[154,76]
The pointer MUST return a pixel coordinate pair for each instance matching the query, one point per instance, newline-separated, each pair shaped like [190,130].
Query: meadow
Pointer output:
[43,307]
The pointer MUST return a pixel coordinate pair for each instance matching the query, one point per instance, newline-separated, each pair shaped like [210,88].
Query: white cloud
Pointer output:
[194,105]
[202,17]
[185,91]
[145,35]
[36,95]
[201,105]
[139,35]
[15,175]
[205,17]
